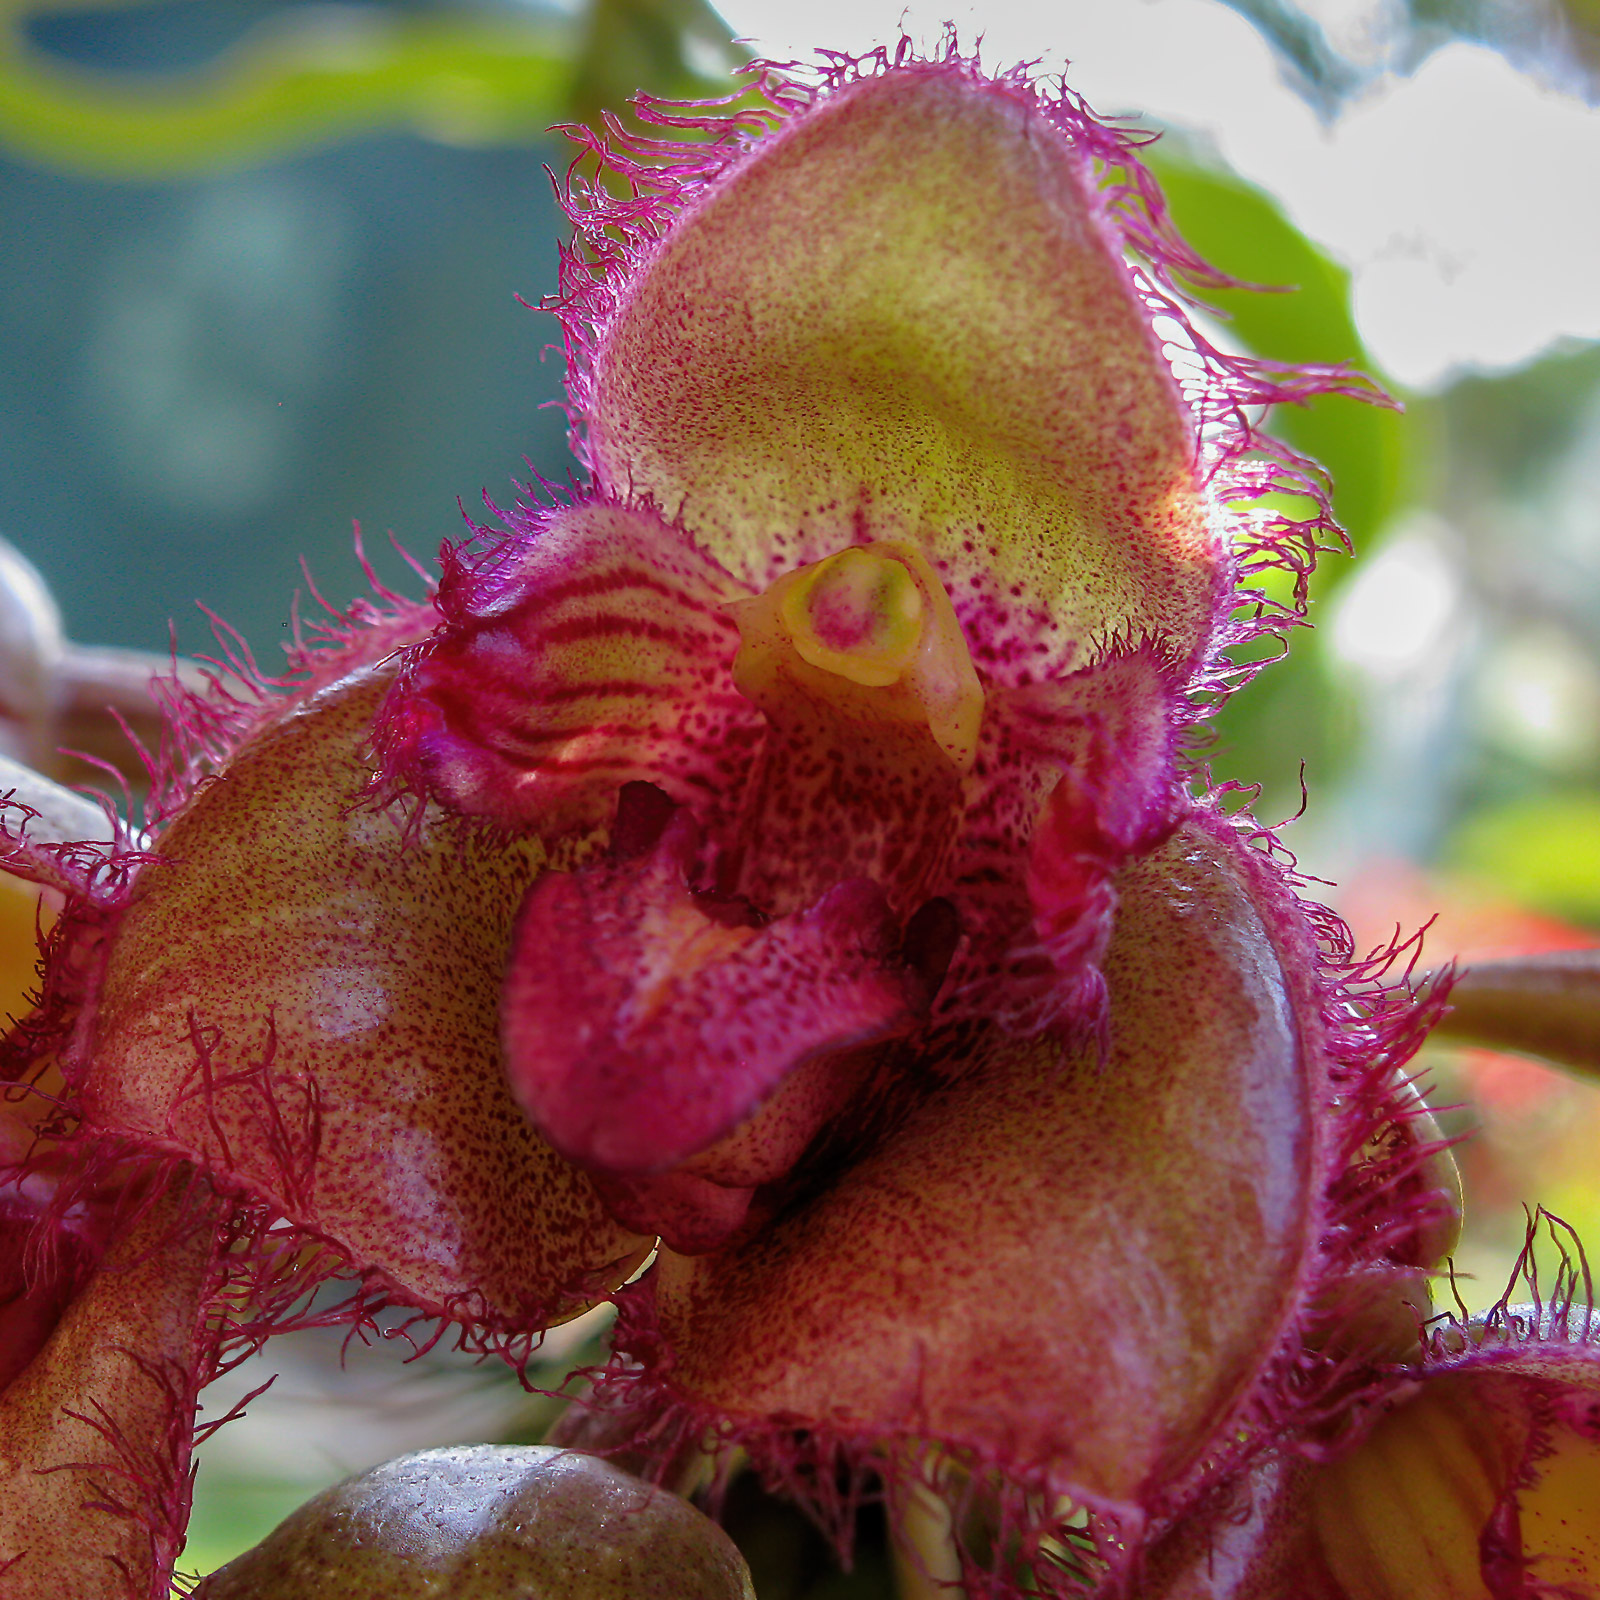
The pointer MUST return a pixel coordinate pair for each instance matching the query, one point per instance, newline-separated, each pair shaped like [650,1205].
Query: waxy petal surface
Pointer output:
[1057,1264]
[310,1010]
[904,315]
[94,1433]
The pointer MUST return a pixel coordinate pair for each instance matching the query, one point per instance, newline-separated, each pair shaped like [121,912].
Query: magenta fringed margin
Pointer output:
[664,177]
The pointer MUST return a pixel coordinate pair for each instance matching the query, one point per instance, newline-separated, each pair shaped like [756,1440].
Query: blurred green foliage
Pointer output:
[311,74]
[231,1513]
[1512,431]
[1541,850]
[664,47]
[301,79]
[1244,233]
[1293,714]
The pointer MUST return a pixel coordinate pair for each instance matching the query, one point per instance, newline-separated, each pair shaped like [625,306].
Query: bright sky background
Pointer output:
[1466,199]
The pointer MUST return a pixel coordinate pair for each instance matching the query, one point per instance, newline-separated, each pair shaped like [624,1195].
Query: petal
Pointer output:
[21,914]
[1073,776]
[1558,1511]
[1477,1477]
[1049,1264]
[304,999]
[46,1254]
[1252,1543]
[641,1025]
[1401,1517]
[904,315]
[1457,1493]
[688,1213]
[94,1434]
[593,654]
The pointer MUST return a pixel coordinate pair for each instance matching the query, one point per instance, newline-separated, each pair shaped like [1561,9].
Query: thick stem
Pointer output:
[1546,1005]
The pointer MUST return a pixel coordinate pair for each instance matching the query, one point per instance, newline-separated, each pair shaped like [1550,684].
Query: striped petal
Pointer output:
[1478,1478]
[591,653]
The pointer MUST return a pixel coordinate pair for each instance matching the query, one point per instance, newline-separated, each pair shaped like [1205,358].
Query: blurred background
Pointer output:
[259,275]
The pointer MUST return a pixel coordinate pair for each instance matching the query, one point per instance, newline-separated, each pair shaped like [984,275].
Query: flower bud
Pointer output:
[490,1522]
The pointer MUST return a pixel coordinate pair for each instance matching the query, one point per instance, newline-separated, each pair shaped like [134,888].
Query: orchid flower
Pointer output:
[775,861]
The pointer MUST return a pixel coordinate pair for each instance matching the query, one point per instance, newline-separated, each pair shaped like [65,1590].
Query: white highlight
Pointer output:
[1462,198]
[1397,615]
[1540,698]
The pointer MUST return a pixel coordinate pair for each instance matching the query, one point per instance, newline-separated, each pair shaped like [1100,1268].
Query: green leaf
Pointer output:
[1244,233]
[1543,851]
[298,82]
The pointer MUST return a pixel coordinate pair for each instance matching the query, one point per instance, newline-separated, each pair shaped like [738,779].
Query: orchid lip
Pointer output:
[644,1018]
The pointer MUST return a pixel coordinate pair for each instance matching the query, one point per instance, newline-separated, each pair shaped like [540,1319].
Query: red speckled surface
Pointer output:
[1051,1261]
[899,318]
[345,990]
[88,1428]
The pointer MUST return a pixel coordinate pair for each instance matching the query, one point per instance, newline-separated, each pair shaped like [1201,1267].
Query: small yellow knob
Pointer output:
[857,614]
[871,632]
